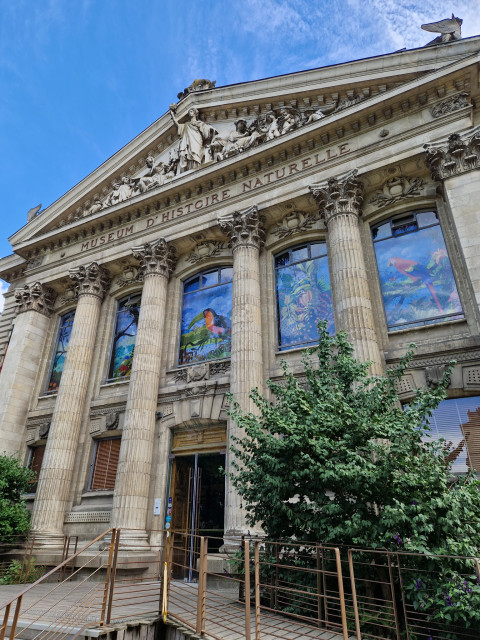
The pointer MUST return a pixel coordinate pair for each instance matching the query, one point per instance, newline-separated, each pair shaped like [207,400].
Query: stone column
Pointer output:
[20,367]
[130,501]
[340,202]
[246,234]
[456,163]
[57,467]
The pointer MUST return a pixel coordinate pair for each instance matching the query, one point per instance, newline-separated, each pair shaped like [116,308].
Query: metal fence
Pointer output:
[255,588]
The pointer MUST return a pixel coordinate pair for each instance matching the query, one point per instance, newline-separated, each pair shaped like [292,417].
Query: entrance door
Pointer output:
[198,507]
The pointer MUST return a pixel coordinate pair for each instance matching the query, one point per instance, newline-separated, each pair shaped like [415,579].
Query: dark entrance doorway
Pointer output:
[198,507]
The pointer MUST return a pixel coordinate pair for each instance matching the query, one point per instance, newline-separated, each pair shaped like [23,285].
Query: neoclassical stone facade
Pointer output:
[203,253]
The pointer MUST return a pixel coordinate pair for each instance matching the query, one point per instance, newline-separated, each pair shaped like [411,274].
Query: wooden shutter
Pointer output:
[35,464]
[105,464]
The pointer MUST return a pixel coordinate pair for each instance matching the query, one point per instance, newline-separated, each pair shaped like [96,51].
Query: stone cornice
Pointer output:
[156,258]
[92,280]
[459,154]
[244,228]
[338,196]
[36,297]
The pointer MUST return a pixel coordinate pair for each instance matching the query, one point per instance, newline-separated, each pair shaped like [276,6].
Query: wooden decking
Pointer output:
[67,608]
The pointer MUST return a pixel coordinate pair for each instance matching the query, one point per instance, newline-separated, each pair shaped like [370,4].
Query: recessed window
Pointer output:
[123,346]
[61,346]
[457,421]
[304,295]
[105,463]
[35,464]
[416,277]
[206,327]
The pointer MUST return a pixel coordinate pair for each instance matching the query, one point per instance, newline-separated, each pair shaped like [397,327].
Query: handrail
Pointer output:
[55,569]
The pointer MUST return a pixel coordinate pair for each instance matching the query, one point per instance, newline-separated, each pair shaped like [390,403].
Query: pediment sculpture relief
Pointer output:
[200,143]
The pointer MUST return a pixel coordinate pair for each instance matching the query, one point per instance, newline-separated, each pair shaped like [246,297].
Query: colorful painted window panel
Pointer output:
[457,421]
[416,277]
[124,338]
[304,296]
[64,331]
[206,326]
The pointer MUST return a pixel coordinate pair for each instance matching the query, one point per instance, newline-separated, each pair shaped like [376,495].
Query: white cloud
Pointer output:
[3,289]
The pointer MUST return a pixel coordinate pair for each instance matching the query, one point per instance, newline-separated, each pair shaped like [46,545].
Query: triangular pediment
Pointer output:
[236,122]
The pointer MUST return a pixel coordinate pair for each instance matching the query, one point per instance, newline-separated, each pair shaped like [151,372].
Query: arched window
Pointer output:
[124,337]
[304,296]
[206,328]
[64,331]
[416,277]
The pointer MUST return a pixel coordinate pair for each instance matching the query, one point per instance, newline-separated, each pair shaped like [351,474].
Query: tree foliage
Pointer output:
[14,481]
[334,458]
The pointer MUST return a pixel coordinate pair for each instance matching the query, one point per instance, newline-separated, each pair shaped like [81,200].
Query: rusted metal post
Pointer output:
[15,617]
[405,615]
[257,590]
[113,575]
[5,621]
[202,588]
[319,589]
[394,603]
[341,594]
[246,556]
[354,595]
[325,592]
[107,579]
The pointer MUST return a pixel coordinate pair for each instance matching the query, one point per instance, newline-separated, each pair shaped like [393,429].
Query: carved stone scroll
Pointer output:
[156,258]
[36,297]
[451,104]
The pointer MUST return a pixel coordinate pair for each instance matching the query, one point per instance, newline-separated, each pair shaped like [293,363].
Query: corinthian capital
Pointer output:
[36,297]
[244,228]
[93,280]
[156,258]
[339,195]
[458,154]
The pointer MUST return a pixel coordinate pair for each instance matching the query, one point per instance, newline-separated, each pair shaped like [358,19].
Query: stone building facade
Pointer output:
[205,251]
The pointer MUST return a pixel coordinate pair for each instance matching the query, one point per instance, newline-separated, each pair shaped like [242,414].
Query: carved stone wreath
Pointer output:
[396,189]
[294,222]
[205,250]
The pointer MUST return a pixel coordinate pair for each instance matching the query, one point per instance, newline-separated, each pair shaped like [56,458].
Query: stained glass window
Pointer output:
[64,331]
[206,327]
[124,337]
[416,277]
[303,294]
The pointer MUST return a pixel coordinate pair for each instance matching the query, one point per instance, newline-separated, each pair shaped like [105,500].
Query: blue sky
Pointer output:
[80,78]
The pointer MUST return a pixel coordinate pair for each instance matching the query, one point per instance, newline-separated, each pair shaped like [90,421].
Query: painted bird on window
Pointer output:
[415,271]
[216,324]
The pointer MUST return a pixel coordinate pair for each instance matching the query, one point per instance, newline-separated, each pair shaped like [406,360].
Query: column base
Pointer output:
[232,539]
[133,540]
[48,540]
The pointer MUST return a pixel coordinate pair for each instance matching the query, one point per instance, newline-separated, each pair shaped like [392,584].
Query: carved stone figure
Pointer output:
[273,128]
[450,29]
[200,84]
[241,138]
[195,139]
[454,103]
[96,207]
[288,121]
[154,176]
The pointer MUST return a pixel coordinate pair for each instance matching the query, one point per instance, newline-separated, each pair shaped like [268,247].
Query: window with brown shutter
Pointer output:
[35,464]
[105,464]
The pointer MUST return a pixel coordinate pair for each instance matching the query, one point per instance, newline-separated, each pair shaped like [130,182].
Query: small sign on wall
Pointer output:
[157,506]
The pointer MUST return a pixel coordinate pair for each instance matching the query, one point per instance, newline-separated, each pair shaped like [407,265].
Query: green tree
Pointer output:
[335,458]
[14,481]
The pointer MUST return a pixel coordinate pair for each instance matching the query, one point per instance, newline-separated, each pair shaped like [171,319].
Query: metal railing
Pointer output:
[253,589]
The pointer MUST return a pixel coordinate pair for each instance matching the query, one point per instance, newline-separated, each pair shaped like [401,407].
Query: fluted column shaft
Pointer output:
[245,230]
[340,205]
[57,468]
[22,360]
[130,502]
